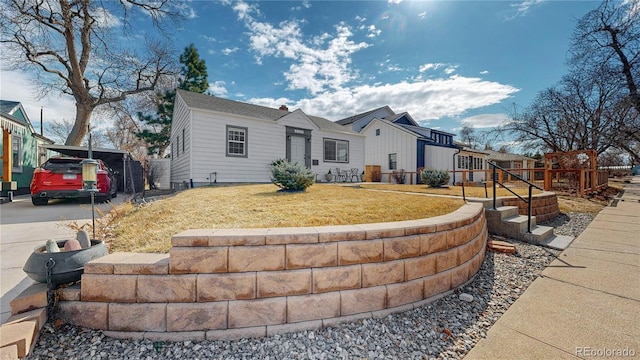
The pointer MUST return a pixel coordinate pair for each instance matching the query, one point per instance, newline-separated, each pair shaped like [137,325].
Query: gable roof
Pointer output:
[500,156]
[10,122]
[354,118]
[214,103]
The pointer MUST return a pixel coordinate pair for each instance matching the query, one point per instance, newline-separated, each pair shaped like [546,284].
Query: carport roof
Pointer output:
[110,156]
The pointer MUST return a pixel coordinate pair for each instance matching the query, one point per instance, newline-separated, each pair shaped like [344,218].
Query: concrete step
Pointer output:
[507,211]
[538,234]
[519,223]
[558,242]
[22,335]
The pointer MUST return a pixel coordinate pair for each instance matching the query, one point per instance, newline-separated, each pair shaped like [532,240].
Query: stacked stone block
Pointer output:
[229,283]
[543,206]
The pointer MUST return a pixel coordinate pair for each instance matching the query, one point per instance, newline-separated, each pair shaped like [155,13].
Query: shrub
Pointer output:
[399,176]
[291,176]
[435,178]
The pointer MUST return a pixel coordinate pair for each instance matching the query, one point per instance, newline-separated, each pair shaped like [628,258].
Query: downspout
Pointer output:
[453,158]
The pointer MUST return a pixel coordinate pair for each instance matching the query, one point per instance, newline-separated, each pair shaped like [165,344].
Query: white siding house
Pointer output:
[226,141]
[390,146]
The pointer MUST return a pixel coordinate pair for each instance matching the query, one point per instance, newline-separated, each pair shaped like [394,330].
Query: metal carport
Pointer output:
[118,160]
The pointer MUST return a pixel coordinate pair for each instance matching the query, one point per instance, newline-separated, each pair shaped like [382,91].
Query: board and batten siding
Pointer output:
[392,139]
[439,158]
[180,162]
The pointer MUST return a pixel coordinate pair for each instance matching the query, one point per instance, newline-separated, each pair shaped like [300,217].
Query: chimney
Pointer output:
[283,107]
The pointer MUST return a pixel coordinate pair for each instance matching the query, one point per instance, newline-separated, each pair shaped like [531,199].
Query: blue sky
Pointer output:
[448,63]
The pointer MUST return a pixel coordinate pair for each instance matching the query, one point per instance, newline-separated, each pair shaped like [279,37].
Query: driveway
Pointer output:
[24,227]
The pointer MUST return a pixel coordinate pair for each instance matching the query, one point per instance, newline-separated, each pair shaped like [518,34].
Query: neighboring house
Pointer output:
[511,162]
[398,142]
[215,139]
[469,159]
[22,147]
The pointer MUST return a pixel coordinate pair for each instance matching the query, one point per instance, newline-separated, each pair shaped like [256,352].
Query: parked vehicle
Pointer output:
[61,178]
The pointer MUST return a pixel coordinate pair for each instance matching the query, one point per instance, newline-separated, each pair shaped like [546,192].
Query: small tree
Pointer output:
[291,176]
[435,178]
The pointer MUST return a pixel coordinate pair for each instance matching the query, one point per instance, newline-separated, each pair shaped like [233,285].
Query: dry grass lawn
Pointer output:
[470,191]
[149,228]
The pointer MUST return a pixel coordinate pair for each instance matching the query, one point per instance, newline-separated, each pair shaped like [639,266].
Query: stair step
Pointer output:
[558,242]
[539,234]
[507,211]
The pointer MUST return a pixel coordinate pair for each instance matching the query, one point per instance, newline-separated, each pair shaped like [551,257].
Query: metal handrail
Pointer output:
[528,200]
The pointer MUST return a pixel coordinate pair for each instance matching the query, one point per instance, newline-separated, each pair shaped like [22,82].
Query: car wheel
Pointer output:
[115,194]
[103,199]
[37,201]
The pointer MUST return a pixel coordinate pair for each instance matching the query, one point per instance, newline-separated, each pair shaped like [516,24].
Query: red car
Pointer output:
[61,178]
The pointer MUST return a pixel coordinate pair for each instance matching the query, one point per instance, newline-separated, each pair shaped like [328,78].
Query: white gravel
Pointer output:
[447,328]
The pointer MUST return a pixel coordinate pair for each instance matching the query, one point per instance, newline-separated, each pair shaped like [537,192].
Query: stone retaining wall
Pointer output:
[232,283]
[544,206]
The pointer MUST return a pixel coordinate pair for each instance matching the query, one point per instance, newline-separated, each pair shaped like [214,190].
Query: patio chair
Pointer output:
[354,174]
[341,175]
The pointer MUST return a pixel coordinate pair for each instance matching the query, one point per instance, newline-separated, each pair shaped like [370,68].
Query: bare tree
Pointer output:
[467,136]
[580,112]
[606,42]
[76,48]
[58,130]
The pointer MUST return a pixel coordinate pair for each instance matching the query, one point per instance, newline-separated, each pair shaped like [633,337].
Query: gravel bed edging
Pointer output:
[445,328]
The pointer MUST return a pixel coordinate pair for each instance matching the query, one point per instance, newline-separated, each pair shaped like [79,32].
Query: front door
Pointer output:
[298,150]
[299,146]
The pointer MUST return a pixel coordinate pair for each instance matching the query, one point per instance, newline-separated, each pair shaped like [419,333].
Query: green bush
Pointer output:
[291,176]
[435,178]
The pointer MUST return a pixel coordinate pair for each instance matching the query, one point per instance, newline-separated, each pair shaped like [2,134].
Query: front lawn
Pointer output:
[470,191]
[149,228]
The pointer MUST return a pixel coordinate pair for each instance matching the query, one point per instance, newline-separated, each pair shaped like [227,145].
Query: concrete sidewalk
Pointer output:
[586,304]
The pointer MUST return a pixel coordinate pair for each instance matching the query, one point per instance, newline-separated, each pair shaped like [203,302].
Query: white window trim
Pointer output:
[17,168]
[245,143]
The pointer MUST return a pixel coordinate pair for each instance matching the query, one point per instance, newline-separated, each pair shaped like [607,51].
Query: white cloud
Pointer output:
[486,120]
[450,69]
[523,8]
[360,18]
[430,66]
[317,64]
[105,19]
[209,38]
[229,51]
[425,100]
[372,31]
[422,15]
[217,88]
[484,72]
[17,86]
[394,1]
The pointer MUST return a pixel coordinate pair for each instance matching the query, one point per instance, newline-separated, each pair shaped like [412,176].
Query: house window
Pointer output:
[393,161]
[236,141]
[336,150]
[177,145]
[183,140]
[463,162]
[16,148]
[377,132]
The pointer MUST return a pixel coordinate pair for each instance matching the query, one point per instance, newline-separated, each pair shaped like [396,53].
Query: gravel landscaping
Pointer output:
[446,328]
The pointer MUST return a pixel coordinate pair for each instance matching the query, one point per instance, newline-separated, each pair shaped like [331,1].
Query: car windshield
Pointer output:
[58,164]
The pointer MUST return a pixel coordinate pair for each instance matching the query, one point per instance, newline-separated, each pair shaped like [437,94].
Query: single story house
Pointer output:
[220,140]
[511,162]
[22,148]
[470,159]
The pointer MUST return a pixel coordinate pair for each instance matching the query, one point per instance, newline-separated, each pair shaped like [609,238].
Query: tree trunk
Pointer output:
[81,126]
